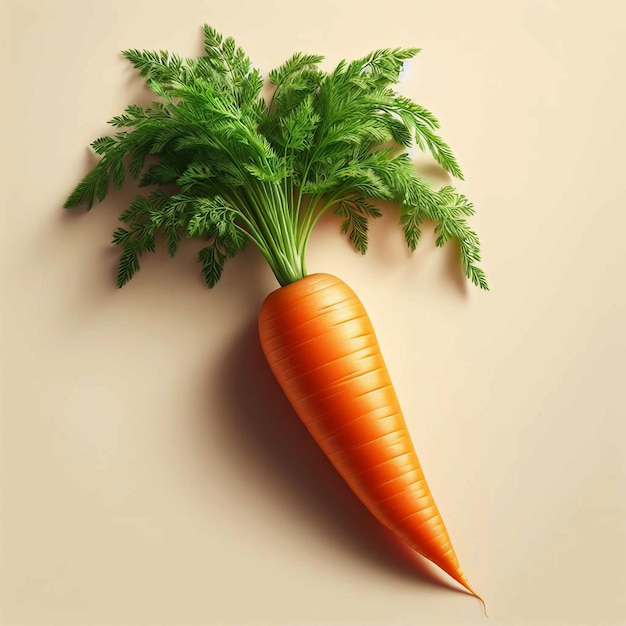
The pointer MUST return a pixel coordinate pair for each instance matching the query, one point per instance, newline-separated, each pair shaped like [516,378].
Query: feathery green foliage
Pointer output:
[228,167]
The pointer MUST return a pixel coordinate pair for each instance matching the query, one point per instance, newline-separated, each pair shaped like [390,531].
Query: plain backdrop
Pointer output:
[151,472]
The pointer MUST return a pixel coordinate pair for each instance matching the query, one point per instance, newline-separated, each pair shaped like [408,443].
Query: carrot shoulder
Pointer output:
[321,346]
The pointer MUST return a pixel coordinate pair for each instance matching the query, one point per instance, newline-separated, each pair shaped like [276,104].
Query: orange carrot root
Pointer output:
[322,349]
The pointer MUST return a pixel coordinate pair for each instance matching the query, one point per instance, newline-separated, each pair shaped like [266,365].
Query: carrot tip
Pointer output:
[469,588]
[484,606]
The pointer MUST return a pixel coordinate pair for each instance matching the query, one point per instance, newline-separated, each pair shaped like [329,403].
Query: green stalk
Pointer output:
[312,219]
[269,213]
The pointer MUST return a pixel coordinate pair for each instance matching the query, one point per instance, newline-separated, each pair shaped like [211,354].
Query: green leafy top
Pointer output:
[227,166]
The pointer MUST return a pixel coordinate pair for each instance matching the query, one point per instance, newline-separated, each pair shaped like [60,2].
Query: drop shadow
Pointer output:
[387,247]
[266,436]
[453,269]
[432,171]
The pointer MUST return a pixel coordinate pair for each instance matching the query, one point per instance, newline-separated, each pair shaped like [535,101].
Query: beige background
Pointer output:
[151,471]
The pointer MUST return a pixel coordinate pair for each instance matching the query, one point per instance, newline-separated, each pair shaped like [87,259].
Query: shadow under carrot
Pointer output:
[265,429]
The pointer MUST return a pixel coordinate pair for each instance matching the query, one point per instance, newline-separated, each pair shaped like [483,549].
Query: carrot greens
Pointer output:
[229,167]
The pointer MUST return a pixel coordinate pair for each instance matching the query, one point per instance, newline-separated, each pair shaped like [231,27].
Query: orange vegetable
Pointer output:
[321,346]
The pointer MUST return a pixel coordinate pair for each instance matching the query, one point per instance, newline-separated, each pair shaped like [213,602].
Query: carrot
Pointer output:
[321,347]
[230,168]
